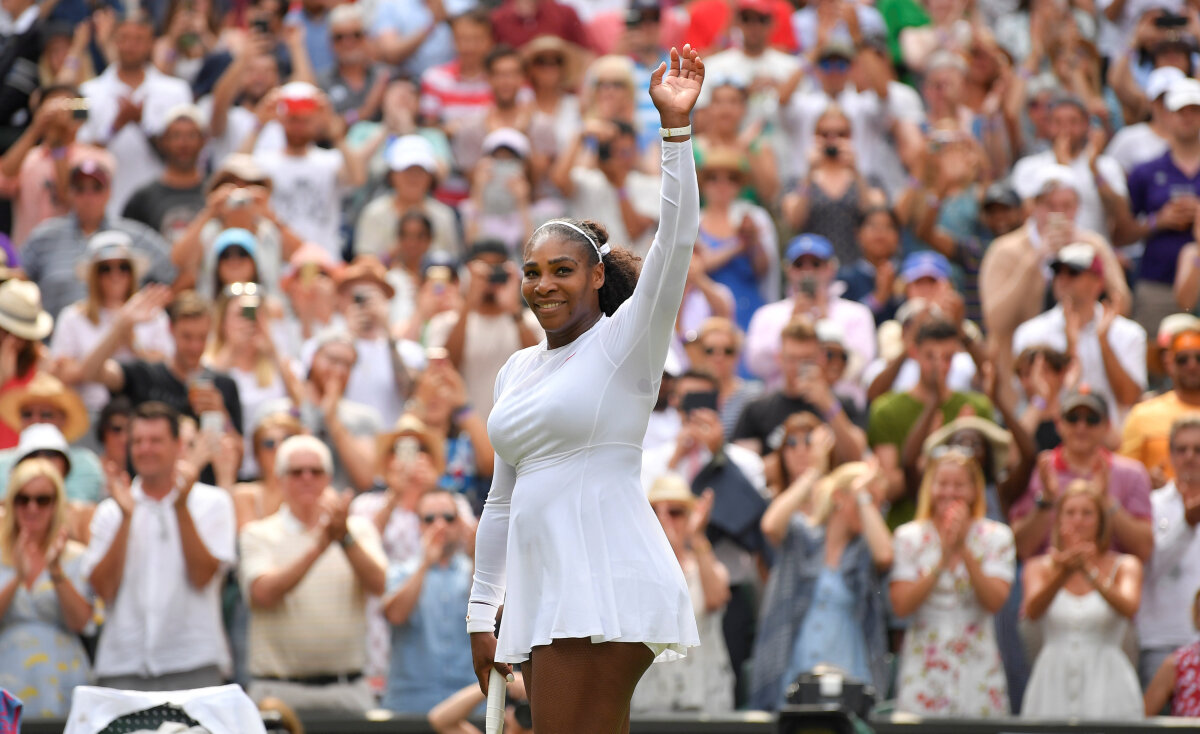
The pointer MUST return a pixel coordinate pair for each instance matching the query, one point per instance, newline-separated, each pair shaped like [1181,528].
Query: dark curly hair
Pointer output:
[621,267]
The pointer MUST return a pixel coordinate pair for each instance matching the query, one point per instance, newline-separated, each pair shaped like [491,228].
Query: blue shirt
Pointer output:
[431,651]
[1151,185]
[407,17]
[317,42]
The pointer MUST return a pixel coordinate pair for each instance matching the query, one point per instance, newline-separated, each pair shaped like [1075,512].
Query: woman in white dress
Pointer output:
[952,572]
[1084,595]
[592,592]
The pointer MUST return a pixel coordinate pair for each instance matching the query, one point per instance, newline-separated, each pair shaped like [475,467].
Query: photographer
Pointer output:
[489,325]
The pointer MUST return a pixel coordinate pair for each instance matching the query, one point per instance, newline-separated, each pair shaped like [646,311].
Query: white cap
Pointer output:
[42,437]
[1044,179]
[1183,93]
[506,137]
[409,151]
[1160,81]
[831,332]
[185,112]
[1078,255]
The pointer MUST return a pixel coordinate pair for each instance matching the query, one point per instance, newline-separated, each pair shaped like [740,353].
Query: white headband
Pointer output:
[601,250]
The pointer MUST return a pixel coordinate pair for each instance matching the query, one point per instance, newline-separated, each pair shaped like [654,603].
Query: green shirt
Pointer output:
[898,15]
[892,417]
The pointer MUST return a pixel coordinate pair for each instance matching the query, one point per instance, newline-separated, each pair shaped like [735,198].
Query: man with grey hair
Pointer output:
[310,567]
[1172,576]
[353,84]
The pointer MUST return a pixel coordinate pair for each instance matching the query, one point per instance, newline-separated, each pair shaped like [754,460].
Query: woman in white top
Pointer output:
[567,542]
[1083,594]
[111,271]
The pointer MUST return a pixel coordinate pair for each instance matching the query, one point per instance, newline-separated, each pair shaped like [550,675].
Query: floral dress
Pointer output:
[949,663]
[1186,701]
[41,661]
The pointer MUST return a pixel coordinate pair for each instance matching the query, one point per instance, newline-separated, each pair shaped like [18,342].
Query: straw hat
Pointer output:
[111,245]
[671,487]
[21,311]
[46,388]
[999,439]
[365,269]
[570,53]
[411,425]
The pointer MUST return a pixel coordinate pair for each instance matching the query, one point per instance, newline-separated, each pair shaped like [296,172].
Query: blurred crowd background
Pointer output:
[928,415]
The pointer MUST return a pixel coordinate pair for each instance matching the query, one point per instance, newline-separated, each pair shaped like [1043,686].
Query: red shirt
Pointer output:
[711,19]
[549,19]
[9,435]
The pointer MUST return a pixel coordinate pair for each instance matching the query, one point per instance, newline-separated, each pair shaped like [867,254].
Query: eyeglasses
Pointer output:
[1183,358]
[115,428]
[797,439]
[449,517]
[833,63]
[548,61]
[45,415]
[120,267]
[718,176]
[95,187]
[727,351]
[611,84]
[748,16]
[301,471]
[41,500]
[1090,418]
[840,134]
[354,35]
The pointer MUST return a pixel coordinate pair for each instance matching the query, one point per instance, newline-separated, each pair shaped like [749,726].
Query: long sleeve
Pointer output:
[644,322]
[491,548]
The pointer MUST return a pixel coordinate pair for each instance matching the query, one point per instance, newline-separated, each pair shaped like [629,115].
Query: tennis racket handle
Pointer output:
[494,724]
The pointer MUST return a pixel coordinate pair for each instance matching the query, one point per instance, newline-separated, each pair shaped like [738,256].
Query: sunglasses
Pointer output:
[115,428]
[339,37]
[121,267]
[677,512]
[611,84]
[835,354]
[727,176]
[233,251]
[449,517]
[548,61]
[838,134]
[833,63]
[727,351]
[798,439]
[1068,270]
[93,188]
[301,471]
[270,443]
[47,415]
[1183,358]
[41,500]
[747,16]
[1091,418]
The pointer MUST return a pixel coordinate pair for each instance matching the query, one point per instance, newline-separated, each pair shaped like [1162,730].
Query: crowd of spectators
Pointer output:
[931,410]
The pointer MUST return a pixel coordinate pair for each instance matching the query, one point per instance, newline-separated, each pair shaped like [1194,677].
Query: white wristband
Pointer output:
[671,132]
[480,617]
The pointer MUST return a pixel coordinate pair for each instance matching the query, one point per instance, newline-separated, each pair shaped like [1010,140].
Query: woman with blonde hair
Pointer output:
[717,349]
[821,604]
[1084,595]
[44,598]
[111,270]
[952,573]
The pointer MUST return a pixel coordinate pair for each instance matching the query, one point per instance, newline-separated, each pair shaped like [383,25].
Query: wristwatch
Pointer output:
[347,540]
[1042,502]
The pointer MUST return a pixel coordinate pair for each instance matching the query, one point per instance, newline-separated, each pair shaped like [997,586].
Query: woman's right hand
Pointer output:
[483,659]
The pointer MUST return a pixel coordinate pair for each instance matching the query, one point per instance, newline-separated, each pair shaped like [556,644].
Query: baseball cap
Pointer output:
[1183,93]
[1085,398]
[235,237]
[1044,179]
[1002,193]
[92,168]
[836,48]
[1160,81]
[297,98]
[1078,258]
[809,244]
[1174,325]
[506,137]
[762,7]
[925,265]
[409,151]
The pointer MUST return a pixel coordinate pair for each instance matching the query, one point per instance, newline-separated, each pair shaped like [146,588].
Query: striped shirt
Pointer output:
[446,96]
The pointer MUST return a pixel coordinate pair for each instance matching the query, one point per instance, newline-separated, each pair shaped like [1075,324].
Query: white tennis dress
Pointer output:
[567,541]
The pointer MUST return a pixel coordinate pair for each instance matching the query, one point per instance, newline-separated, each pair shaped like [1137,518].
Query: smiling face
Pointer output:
[561,283]
[952,483]
[34,506]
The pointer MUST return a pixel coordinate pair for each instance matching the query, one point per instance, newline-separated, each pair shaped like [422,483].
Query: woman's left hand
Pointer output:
[675,90]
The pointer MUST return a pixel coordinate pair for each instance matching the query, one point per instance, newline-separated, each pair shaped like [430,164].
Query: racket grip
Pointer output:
[494,723]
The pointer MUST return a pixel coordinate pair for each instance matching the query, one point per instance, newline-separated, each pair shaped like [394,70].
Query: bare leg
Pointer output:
[584,688]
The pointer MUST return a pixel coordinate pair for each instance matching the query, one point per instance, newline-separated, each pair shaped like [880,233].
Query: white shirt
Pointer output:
[1125,337]
[1134,145]
[220,709]
[307,194]
[596,198]
[1172,575]
[139,164]
[1091,214]
[871,120]
[159,623]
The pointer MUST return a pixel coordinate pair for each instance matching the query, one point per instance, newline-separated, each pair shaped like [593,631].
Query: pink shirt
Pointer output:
[33,192]
[766,327]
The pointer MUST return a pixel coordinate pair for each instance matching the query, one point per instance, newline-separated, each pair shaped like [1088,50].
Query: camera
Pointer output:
[79,108]
[831,151]
[260,25]
[808,286]
[499,275]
